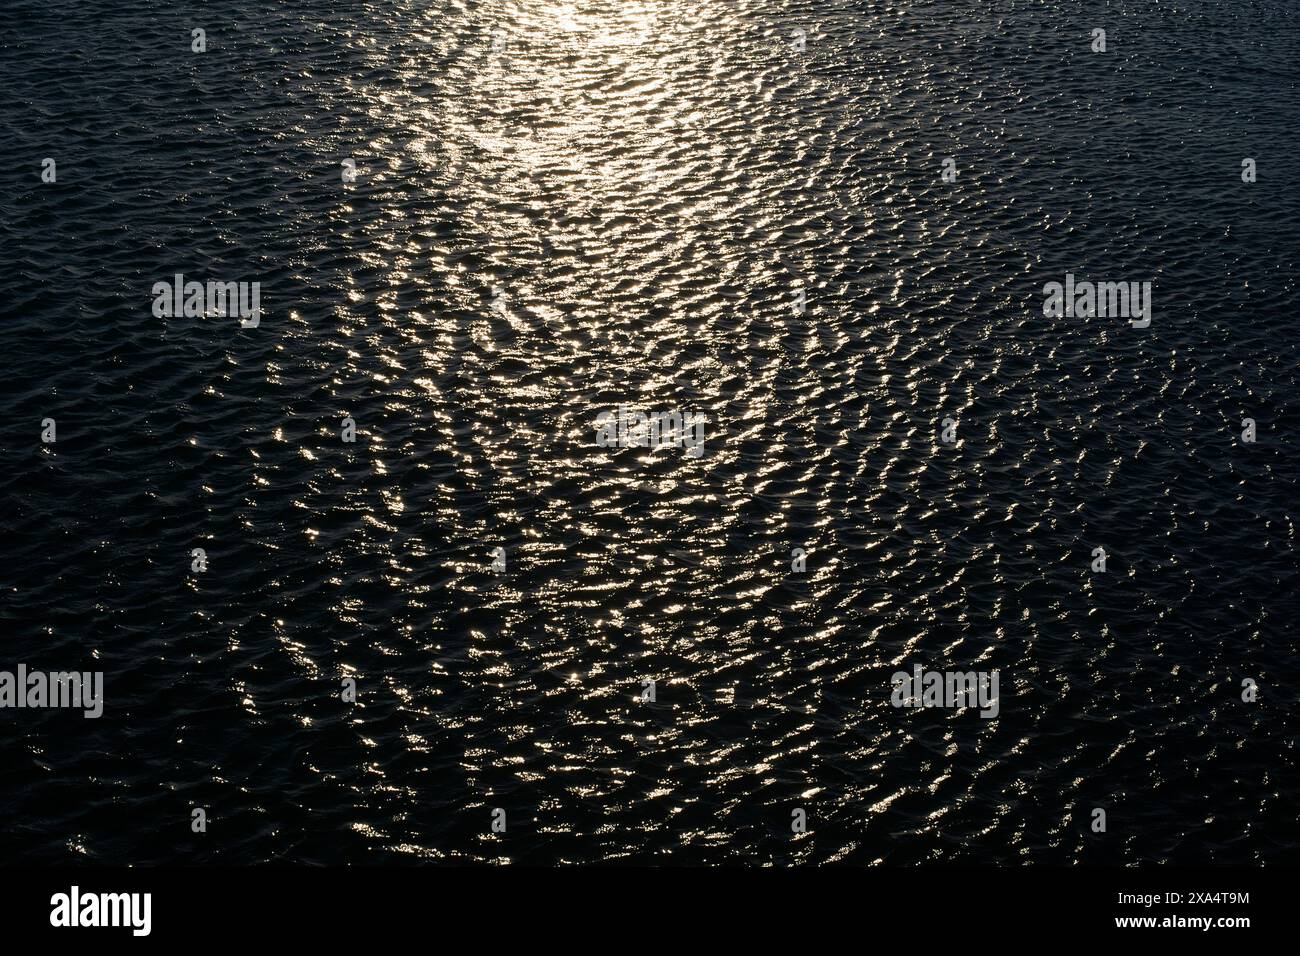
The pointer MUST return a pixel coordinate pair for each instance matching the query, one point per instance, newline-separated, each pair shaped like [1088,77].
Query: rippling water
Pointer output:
[620,206]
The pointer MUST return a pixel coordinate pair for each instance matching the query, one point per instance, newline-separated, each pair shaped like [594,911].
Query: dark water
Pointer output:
[647,211]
